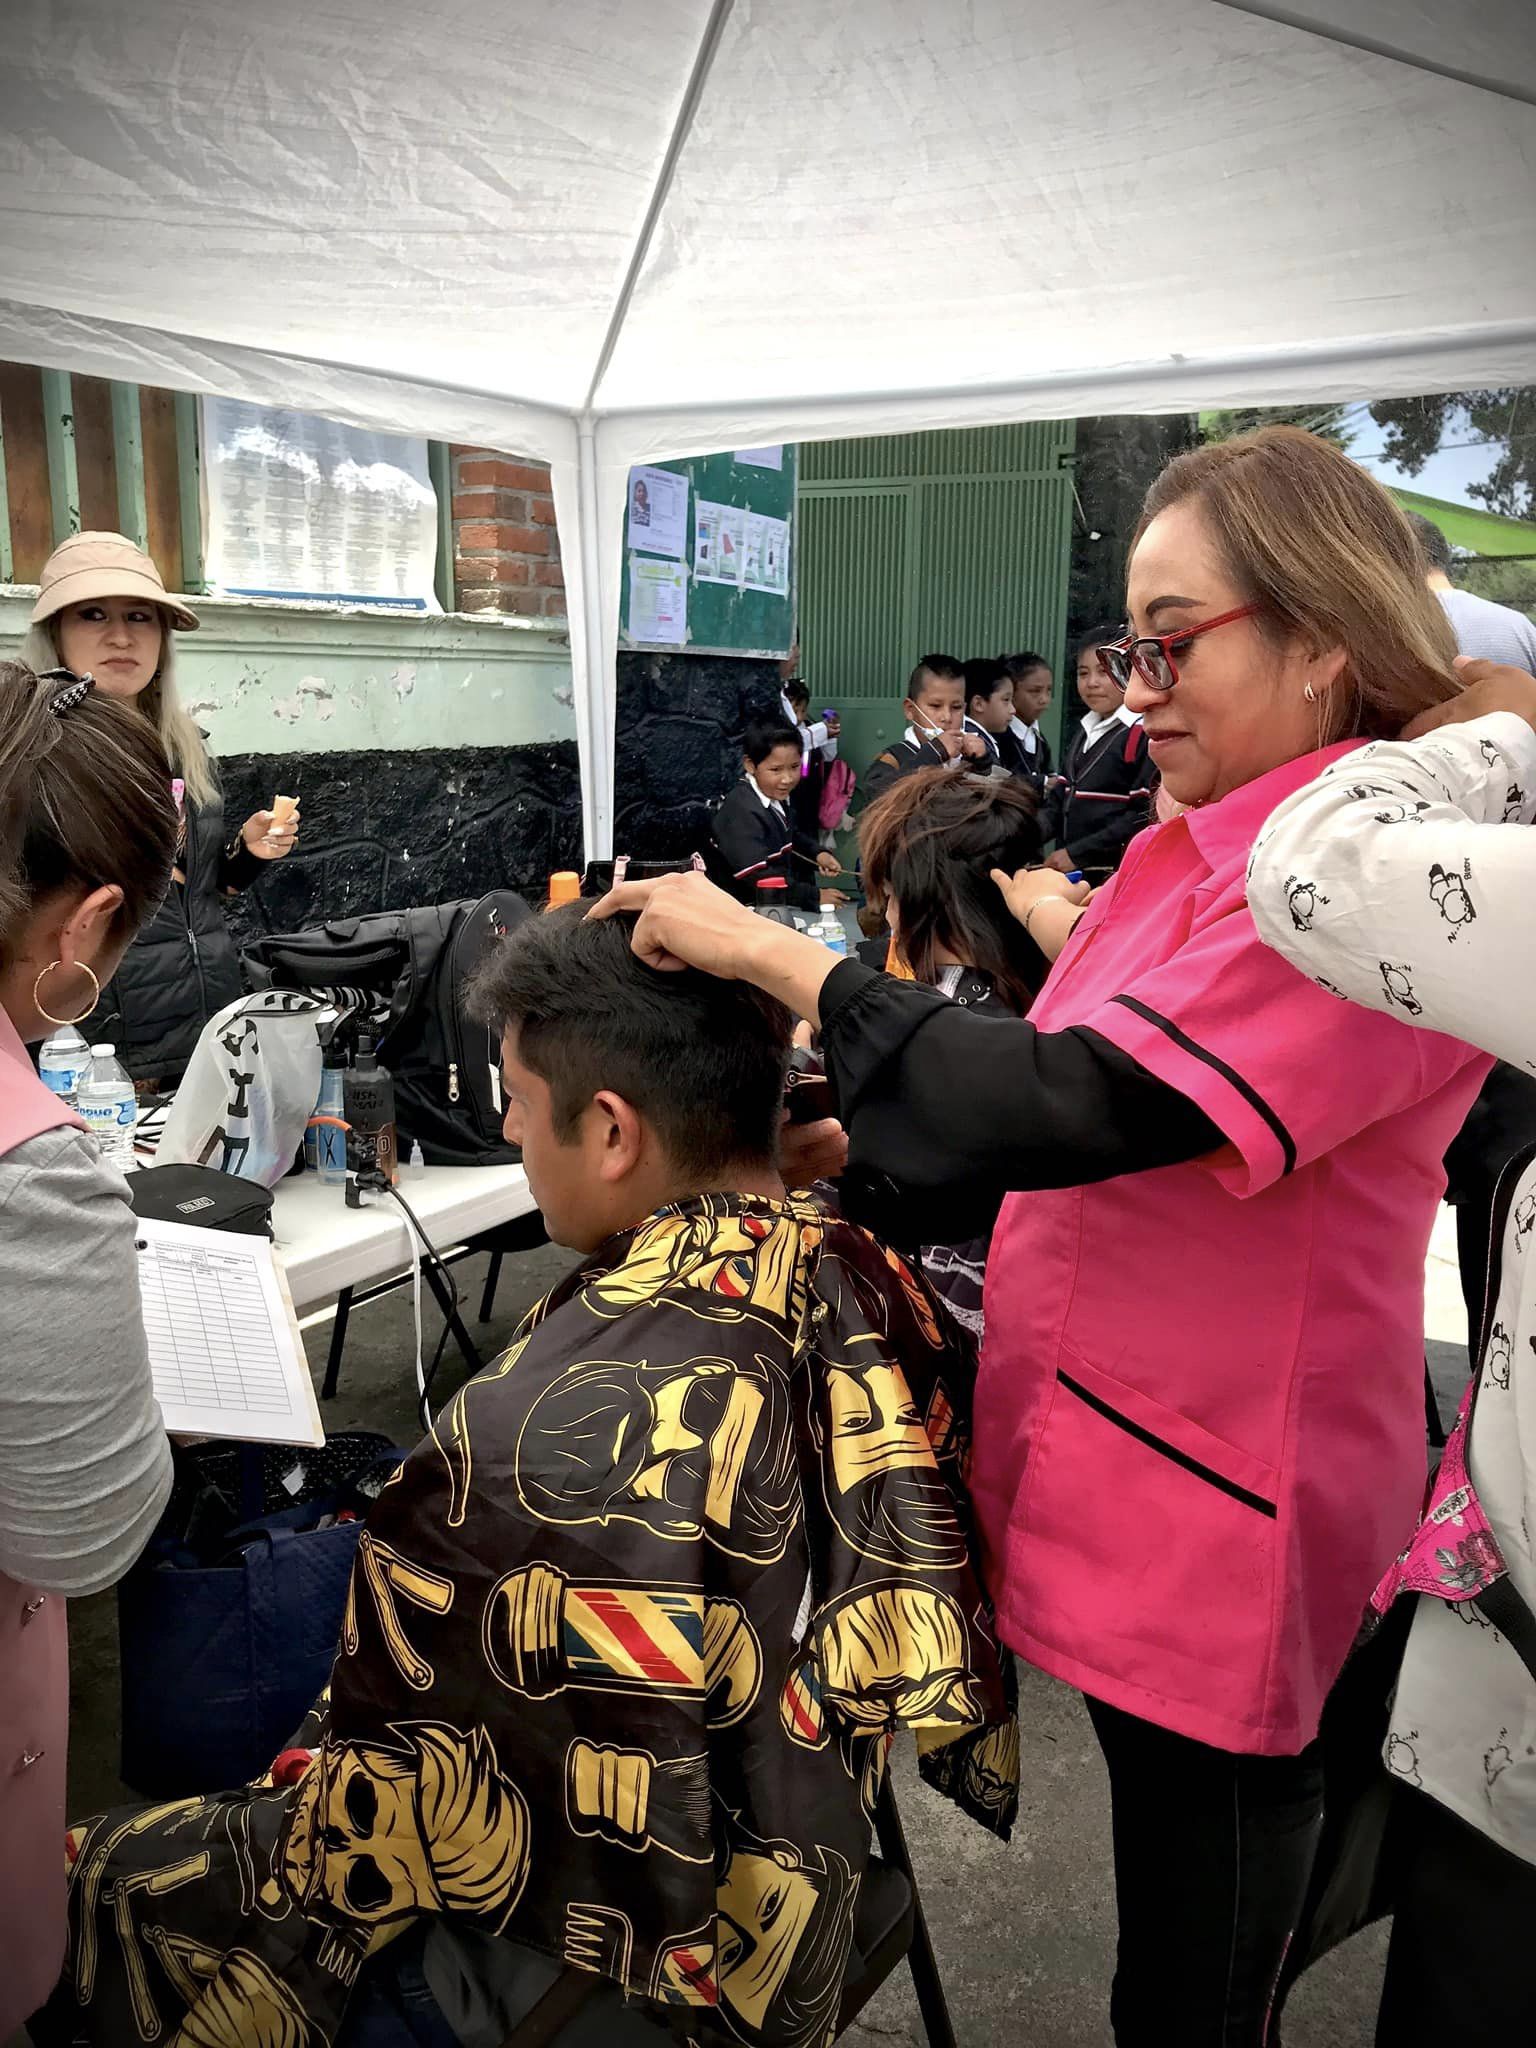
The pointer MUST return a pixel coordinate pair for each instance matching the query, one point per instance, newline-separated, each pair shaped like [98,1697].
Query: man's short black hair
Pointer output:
[797,691]
[702,1060]
[1434,546]
[766,734]
[944,666]
[984,677]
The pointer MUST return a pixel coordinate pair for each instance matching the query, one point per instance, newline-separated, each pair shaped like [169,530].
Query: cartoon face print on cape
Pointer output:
[880,1478]
[721,1266]
[701,1448]
[431,1825]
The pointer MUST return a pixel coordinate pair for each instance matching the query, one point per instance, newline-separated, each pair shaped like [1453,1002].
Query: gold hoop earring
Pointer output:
[46,1014]
[1310,694]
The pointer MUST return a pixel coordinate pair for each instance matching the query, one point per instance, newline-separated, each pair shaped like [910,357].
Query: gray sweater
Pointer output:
[85,1466]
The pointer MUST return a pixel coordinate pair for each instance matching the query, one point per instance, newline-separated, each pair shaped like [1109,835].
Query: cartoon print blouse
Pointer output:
[1405,878]
[625,1642]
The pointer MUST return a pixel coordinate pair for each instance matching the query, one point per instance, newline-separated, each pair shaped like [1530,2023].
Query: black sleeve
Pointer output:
[238,868]
[947,1110]
[747,834]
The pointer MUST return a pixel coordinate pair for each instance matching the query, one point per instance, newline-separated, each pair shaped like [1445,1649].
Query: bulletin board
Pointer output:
[709,563]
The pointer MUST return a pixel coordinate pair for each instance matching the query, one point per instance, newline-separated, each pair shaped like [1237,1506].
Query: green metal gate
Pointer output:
[912,544]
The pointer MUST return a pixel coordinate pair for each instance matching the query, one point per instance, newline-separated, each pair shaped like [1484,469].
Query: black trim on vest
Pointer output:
[1249,1093]
[1256,1501]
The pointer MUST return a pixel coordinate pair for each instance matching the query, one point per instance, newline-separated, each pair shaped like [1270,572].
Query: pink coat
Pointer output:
[34,1685]
[1199,1421]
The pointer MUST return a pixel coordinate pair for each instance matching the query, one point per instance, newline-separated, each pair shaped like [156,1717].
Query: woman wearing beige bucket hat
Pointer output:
[103,610]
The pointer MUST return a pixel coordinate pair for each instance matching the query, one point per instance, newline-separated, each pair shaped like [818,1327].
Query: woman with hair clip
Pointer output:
[103,611]
[1192,1461]
[87,838]
[931,849]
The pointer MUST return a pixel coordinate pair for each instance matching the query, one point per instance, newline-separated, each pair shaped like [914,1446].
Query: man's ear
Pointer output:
[622,1135]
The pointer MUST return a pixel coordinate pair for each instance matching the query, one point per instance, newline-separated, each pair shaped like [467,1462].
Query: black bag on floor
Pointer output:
[447,1093]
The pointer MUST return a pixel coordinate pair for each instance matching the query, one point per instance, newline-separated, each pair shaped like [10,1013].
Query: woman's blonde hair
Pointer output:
[1315,541]
[159,702]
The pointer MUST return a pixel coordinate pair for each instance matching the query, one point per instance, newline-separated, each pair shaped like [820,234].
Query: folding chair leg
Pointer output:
[492,1282]
[921,1960]
[1434,1427]
[338,1345]
[451,1317]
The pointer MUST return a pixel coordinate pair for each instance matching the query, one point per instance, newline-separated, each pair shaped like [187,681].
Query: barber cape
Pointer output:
[626,1641]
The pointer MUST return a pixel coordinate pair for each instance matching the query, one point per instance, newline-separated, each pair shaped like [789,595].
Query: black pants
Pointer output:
[1462,1964]
[1212,1857]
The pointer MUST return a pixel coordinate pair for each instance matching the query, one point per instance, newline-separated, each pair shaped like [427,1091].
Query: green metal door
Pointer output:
[913,544]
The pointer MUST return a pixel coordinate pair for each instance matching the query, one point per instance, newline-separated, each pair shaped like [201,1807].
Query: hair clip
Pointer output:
[74,693]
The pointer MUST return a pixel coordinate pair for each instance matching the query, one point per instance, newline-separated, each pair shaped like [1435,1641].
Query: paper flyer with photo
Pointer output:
[658,602]
[658,512]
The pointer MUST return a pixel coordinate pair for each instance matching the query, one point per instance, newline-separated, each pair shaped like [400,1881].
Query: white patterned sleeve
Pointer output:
[1404,878]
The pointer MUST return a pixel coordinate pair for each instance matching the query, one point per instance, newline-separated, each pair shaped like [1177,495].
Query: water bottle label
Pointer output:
[62,1080]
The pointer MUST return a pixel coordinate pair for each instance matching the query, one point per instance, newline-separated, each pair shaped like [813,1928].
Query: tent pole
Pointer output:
[1309,24]
[596,688]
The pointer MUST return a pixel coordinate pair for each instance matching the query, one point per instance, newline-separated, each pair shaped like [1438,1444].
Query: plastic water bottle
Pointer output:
[107,1103]
[63,1060]
[829,929]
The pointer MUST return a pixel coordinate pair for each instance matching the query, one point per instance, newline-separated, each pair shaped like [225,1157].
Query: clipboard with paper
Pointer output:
[224,1344]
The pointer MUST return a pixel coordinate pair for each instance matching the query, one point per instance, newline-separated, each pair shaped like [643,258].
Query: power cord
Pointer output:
[372,1184]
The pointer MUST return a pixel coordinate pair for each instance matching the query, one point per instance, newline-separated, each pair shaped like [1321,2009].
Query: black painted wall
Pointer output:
[678,744]
[385,830]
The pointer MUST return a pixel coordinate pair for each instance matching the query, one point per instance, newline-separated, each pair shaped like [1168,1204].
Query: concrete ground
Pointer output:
[1024,1932]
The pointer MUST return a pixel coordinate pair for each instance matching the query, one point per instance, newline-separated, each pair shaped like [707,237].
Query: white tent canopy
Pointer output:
[621,230]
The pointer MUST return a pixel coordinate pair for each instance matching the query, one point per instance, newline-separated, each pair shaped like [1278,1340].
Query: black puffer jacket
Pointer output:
[183,966]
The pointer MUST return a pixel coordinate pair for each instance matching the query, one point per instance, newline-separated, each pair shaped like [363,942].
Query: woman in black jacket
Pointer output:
[1103,796]
[102,610]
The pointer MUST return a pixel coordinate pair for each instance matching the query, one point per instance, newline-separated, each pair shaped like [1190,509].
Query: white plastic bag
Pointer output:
[249,1089]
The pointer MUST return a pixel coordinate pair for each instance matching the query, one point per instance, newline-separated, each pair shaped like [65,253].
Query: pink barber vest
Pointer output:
[1199,1423]
[34,1684]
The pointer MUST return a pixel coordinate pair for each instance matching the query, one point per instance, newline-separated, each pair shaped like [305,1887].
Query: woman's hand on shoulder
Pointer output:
[1022,891]
[1487,686]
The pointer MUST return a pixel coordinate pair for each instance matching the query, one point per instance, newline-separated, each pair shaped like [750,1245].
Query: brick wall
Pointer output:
[506,553]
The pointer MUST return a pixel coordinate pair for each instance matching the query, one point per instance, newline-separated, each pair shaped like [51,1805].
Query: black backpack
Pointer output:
[445,1068]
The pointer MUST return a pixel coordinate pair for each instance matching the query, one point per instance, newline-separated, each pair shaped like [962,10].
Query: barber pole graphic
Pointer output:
[686,1971]
[543,1635]
[800,1708]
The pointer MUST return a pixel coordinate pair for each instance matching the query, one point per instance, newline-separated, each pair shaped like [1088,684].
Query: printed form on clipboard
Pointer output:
[224,1343]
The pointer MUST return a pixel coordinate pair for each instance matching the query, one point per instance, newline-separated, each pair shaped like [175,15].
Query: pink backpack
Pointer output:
[836,795]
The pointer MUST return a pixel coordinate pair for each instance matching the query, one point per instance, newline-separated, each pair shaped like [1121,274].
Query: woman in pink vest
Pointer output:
[87,839]
[1193,1459]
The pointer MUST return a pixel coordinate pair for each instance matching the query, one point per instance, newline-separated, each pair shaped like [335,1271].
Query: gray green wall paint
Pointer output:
[264,680]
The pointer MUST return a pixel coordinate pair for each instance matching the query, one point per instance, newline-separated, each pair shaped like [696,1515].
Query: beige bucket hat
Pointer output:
[91,565]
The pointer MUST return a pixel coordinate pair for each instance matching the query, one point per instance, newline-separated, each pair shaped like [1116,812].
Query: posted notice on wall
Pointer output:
[767,555]
[658,512]
[301,507]
[719,542]
[761,458]
[658,602]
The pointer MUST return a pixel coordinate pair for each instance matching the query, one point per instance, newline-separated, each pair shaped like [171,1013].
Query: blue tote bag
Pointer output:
[228,1624]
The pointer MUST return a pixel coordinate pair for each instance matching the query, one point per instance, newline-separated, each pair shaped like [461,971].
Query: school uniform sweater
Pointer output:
[759,839]
[902,757]
[1104,794]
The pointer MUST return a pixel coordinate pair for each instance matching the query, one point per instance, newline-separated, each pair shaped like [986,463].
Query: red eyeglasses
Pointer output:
[1151,656]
